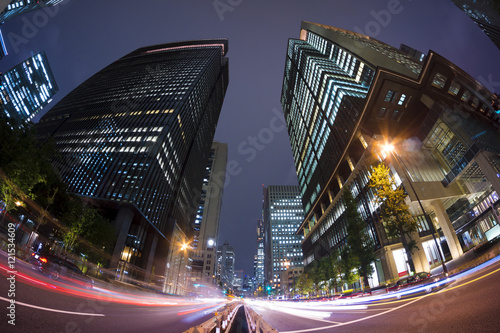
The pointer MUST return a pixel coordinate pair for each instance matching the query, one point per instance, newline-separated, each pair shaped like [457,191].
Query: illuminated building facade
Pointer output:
[259,258]
[206,223]
[140,131]
[225,265]
[27,88]
[283,214]
[19,7]
[3,48]
[343,95]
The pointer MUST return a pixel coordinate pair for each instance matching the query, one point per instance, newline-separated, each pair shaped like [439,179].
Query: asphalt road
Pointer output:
[44,305]
[468,304]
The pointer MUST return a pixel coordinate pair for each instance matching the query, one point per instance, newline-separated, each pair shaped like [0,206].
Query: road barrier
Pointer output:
[220,323]
[256,324]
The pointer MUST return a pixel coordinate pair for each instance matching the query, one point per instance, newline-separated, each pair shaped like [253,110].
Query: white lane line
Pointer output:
[305,314]
[54,310]
[357,320]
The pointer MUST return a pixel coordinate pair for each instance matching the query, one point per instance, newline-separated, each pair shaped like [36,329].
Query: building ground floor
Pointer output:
[142,254]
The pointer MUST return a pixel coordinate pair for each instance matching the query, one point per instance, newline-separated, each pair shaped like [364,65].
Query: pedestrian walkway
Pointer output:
[468,260]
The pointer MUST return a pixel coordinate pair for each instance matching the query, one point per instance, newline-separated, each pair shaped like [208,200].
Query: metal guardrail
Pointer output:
[220,323]
[256,324]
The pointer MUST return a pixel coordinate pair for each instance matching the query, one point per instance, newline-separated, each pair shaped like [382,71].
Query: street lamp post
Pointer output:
[390,148]
[183,249]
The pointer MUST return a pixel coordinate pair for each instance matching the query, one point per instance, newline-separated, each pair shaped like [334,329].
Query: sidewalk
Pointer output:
[468,260]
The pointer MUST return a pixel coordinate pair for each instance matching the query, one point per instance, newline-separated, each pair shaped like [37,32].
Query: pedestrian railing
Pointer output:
[256,324]
[220,323]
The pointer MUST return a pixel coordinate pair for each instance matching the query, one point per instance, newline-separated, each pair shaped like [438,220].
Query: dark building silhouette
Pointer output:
[344,95]
[139,133]
[3,48]
[486,14]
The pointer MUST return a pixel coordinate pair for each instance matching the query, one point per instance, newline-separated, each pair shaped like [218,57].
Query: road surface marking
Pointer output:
[355,321]
[54,310]
[394,309]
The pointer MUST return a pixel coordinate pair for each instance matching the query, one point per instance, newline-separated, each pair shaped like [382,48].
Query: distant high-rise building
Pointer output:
[259,257]
[486,14]
[289,278]
[238,280]
[3,48]
[344,96]
[415,54]
[27,88]
[139,133]
[225,265]
[206,223]
[283,214]
[19,7]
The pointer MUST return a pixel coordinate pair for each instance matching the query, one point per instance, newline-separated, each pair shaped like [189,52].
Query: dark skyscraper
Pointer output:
[344,96]
[3,49]
[27,88]
[486,14]
[139,132]
[19,7]
[260,256]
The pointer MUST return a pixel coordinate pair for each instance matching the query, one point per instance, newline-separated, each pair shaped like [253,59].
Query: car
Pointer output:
[411,281]
[60,268]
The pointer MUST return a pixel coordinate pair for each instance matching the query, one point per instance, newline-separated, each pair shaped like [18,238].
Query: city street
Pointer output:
[469,304]
[44,305]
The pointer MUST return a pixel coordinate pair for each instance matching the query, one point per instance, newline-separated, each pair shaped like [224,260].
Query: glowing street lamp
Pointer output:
[184,247]
[390,149]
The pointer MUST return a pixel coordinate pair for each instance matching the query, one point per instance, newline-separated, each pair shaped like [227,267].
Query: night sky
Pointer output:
[82,37]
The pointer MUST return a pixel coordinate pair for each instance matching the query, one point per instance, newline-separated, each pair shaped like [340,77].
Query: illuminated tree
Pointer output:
[394,212]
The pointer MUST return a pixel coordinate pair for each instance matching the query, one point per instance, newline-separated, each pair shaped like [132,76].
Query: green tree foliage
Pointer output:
[335,270]
[20,162]
[394,212]
[88,232]
[305,283]
[26,172]
[359,242]
[326,274]
[21,159]
[347,266]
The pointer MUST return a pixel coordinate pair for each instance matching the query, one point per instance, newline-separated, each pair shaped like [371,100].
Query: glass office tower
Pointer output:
[206,224]
[140,131]
[19,7]
[344,95]
[3,48]
[260,256]
[225,265]
[27,88]
[486,14]
[283,214]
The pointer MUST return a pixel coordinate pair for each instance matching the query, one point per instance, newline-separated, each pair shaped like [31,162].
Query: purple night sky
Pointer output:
[82,37]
